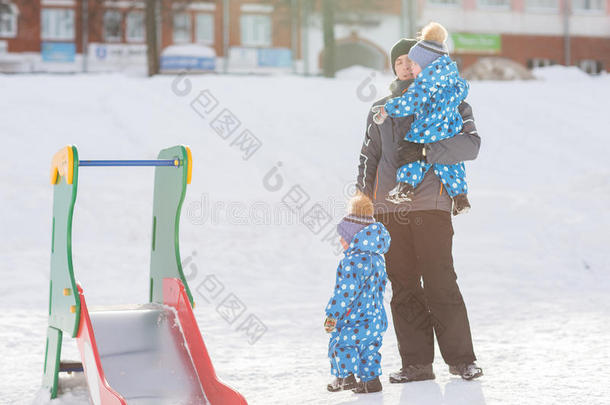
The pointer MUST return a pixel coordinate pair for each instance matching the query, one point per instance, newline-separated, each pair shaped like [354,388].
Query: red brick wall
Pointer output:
[379,6]
[29,26]
[28,29]
[281,21]
[521,48]
[166,23]
[469,4]
[218,29]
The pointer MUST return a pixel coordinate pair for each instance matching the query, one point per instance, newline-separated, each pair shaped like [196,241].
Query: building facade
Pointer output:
[531,32]
[286,35]
[49,35]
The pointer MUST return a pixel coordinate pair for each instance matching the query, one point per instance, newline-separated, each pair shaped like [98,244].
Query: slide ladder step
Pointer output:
[70,366]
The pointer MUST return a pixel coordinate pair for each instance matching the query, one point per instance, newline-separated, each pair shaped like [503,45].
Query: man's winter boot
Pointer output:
[417,372]
[341,384]
[460,204]
[468,371]
[401,193]
[365,387]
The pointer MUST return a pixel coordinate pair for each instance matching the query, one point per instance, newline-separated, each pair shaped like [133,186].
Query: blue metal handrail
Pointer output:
[161,162]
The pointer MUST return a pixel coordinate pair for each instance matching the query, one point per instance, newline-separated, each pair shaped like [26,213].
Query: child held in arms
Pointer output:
[433,98]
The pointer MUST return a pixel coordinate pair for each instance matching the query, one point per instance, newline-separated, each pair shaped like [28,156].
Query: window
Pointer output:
[205,28]
[8,20]
[113,26]
[57,23]
[135,26]
[504,4]
[542,5]
[591,66]
[255,30]
[540,62]
[182,27]
[444,2]
[588,5]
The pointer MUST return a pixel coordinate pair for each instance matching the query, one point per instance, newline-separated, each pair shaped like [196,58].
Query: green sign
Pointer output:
[476,43]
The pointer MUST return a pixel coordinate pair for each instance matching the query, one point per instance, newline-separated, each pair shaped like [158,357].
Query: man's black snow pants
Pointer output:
[421,249]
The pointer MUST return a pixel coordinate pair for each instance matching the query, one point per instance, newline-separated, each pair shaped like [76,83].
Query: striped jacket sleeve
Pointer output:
[370,154]
[464,146]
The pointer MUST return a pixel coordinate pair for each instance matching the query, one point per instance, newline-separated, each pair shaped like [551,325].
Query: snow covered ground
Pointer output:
[532,256]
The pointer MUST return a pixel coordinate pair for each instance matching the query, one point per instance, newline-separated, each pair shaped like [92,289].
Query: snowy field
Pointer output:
[533,255]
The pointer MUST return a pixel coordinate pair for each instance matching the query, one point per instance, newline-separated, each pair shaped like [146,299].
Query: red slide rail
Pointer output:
[99,389]
[174,295]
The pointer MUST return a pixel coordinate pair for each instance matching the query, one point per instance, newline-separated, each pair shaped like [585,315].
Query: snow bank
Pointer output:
[494,68]
[357,72]
[561,73]
[190,50]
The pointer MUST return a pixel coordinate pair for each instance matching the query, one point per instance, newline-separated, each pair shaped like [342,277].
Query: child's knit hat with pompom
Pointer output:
[360,215]
[431,45]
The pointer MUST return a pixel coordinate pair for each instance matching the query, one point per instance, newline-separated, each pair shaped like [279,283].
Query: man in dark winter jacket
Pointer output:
[422,234]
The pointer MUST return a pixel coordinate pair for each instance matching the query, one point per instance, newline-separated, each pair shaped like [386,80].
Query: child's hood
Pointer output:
[443,72]
[372,238]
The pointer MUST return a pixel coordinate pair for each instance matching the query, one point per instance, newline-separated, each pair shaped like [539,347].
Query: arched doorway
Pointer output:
[357,51]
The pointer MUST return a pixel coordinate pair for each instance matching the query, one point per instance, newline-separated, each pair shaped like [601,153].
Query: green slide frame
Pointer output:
[170,189]
[64,303]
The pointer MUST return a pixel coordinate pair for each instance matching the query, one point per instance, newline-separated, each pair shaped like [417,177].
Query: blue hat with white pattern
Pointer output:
[425,52]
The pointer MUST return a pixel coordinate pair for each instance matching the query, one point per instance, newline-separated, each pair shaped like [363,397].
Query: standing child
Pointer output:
[355,316]
[433,98]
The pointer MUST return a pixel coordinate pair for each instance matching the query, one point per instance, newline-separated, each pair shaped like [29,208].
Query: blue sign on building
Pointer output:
[58,51]
[187,63]
[274,57]
[101,52]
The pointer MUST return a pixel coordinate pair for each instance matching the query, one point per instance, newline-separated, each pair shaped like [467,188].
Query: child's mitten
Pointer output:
[379,114]
[330,324]
[409,152]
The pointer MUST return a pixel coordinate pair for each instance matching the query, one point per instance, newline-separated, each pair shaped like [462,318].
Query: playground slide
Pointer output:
[149,354]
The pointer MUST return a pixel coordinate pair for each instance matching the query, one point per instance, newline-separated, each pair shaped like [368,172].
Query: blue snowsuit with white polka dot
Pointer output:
[357,305]
[434,98]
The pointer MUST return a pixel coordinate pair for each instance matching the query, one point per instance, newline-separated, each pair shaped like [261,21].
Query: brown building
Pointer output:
[35,32]
[38,35]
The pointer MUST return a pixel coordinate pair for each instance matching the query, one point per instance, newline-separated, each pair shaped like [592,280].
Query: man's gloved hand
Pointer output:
[409,152]
[379,114]
[330,324]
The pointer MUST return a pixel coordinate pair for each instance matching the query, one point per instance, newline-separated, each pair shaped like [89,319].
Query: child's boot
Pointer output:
[341,384]
[401,193]
[460,204]
[365,387]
